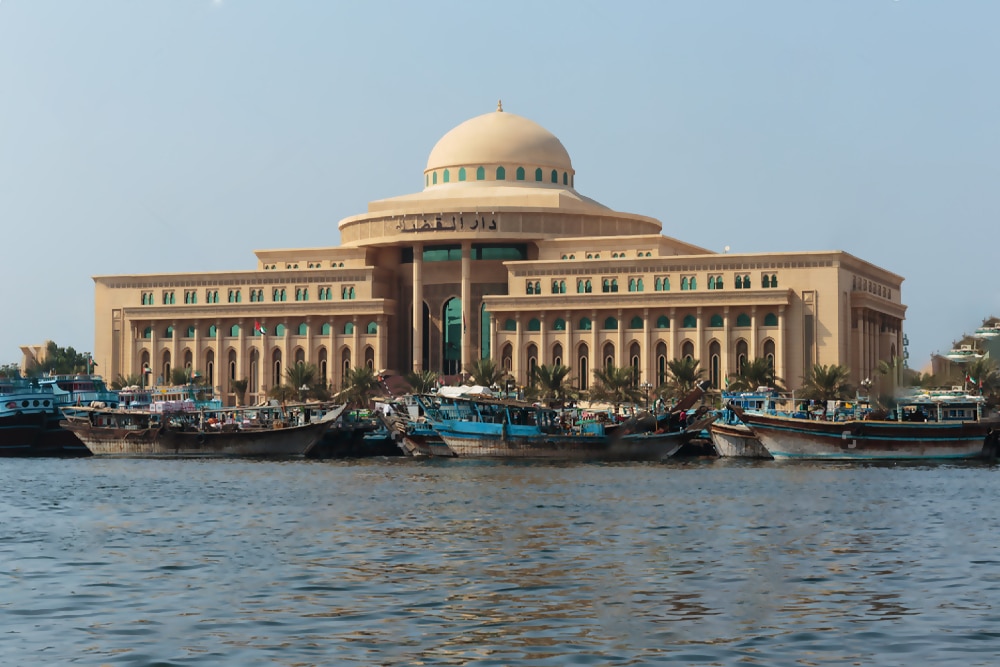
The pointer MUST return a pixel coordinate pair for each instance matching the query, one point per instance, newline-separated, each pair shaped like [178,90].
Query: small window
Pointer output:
[690,322]
[510,325]
[501,174]
[770,320]
[520,173]
[662,322]
[372,327]
[534,324]
[559,324]
[585,324]
[538,175]
[611,323]
[742,320]
[481,174]
[636,323]
[715,321]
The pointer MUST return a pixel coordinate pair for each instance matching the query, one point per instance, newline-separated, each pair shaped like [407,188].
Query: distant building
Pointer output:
[500,256]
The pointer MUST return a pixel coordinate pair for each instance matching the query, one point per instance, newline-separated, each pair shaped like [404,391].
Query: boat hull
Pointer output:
[789,438]
[478,440]
[737,440]
[293,441]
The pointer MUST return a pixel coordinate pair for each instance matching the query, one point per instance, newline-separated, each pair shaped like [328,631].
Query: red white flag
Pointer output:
[258,328]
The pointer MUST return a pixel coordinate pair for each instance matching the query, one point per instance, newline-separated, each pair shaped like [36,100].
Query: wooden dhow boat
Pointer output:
[263,431]
[942,425]
[516,430]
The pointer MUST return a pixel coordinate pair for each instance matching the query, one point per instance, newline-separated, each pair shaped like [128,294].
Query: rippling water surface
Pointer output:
[401,562]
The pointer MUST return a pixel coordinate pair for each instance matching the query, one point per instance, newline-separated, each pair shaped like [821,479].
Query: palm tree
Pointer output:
[301,377]
[122,381]
[616,385]
[180,376]
[983,374]
[360,386]
[827,383]
[421,382]
[283,393]
[891,370]
[240,389]
[550,385]
[485,372]
[682,376]
[756,373]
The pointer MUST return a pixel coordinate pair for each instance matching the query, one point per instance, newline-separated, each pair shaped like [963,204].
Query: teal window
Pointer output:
[481,174]
[325,329]
[662,322]
[770,320]
[147,332]
[611,323]
[565,178]
[742,320]
[279,330]
[303,329]
[520,173]
[169,333]
[190,332]
[715,321]
[349,328]
[774,280]
[509,325]
[372,327]
[538,175]
[685,284]
[461,174]
[234,330]
[447,176]
[559,324]
[434,178]
[636,323]
[662,284]
[190,296]
[213,331]
[690,322]
[555,176]
[501,174]
[765,280]
[638,285]
[605,285]
[585,324]
[534,324]
[711,282]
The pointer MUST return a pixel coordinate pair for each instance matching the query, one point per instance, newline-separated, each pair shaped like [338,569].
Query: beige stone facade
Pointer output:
[500,256]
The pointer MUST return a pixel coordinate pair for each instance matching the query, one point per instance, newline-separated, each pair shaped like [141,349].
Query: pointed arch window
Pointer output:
[325,329]
[434,178]
[190,332]
[555,177]
[446,176]
[372,327]
[303,329]
[519,174]
[538,175]
[349,328]
[461,174]
[501,174]
[480,173]
[280,330]
[684,284]
[212,331]
[234,330]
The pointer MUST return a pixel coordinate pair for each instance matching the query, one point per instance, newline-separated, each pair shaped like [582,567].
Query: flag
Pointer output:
[970,379]
[258,328]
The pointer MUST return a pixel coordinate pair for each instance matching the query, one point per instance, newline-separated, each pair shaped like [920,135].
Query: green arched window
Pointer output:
[434,178]
[690,322]
[373,327]
[349,328]
[447,176]
[520,173]
[742,320]
[147,332]
[534,324]
[565,178]
[765,280]
[501,174]
[636,323]
[303,329]
[461,174]
[774,280]
[638,285]
[481,173]
[234,330]
[585,324]
[509,325]
[611,323]
[555,176]
[213,331]
[538,174]
[279,330]
[684,284]
[559,324]
[716,321]
[770,320]
[662,322]
[190,332]
[169,332]
[325,329]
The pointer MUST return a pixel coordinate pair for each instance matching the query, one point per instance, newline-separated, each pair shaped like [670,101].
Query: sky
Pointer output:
[183,135]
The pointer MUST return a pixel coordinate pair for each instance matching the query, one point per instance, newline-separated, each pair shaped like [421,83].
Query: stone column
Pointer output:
[648,363]
[517,361]
[779,346]
[466,352]
[417,329]
[621,353]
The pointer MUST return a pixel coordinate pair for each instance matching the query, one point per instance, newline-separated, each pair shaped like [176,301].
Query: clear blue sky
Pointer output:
[182,135]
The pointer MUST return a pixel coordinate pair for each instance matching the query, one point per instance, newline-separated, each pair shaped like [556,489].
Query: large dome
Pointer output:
[499,138]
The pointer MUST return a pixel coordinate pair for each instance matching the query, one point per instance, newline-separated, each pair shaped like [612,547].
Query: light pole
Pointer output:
[645,386]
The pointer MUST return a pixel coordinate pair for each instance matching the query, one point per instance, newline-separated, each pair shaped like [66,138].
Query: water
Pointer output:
[212,562]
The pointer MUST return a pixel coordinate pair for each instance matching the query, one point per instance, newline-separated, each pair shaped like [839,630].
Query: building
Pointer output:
[499,256]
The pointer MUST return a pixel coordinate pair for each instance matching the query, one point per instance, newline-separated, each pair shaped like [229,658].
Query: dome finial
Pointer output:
[499,105]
